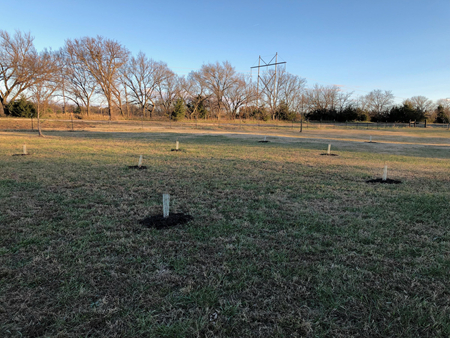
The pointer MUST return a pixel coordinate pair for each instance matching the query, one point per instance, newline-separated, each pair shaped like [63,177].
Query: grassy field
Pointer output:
[284,242]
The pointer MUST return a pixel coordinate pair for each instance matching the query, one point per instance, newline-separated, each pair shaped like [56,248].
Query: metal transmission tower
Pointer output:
[266,82]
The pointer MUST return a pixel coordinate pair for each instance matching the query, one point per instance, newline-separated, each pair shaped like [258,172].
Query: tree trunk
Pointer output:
[39,122]
[2,110]
[126,103]
[109,108]
[88,107]
[301,123]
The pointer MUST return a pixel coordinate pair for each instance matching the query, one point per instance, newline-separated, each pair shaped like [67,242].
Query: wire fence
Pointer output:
[23,124]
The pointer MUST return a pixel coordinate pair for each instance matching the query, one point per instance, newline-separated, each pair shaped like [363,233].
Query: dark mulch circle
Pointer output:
[175,149]
[325,154]
[159,222]
[137,167]
[263,141]
[21,154]
[387,181]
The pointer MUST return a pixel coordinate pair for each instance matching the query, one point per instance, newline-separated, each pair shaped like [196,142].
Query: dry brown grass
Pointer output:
[284,242]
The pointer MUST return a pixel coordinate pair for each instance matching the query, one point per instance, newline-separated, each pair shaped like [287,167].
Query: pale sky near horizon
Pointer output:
[397,45]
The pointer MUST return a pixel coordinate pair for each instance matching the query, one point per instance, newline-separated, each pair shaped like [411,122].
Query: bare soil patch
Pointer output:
[142,167]
[160,222]
[387,181]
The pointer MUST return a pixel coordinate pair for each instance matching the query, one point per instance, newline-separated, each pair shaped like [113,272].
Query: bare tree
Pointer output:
[268,91]
[80,84]
[361,103]
[241,93]
[280,87]
[218,79]
[290,89]
[142,77]
[46,81]
[420,103]
[126,97]
[17,66]
[325,97]
[103,59]
[379,102]
[168,89]
[299,103]
[445,103]
[194,91]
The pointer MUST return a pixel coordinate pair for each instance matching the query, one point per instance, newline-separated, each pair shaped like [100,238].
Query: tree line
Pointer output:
[92,74]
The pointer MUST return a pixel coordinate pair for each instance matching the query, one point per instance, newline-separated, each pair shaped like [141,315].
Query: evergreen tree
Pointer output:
[20,108]
[77,110]
[441,116]
[179,110]
[283,112]
[202,112]
[405,113]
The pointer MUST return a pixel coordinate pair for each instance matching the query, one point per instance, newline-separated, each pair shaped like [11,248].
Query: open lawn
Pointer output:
[284,242]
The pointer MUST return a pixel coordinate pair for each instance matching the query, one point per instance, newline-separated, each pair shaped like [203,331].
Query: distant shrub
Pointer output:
[21,108]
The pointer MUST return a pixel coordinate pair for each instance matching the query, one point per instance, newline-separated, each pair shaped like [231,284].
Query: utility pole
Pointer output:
[257,83]
[301,114]
[63,78]
[274,77]
[64,97]
[275,82]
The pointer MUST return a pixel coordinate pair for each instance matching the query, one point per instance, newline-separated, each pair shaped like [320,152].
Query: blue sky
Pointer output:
[398,45]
